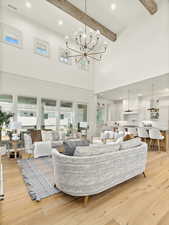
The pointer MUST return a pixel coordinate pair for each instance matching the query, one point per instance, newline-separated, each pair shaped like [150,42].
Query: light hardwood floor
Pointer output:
[139,201]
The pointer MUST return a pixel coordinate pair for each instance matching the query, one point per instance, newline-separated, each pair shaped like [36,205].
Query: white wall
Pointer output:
[24,62]
[140,52]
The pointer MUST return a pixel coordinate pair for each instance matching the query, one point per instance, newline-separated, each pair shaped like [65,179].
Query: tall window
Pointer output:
[81,116]
[27,111]
[6,103]
[49,114]
[82,113]
[100,113]
[66,117]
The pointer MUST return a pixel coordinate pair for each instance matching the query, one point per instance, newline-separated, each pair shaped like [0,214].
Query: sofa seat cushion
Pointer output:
[132,143]
[96,150]
[70,146]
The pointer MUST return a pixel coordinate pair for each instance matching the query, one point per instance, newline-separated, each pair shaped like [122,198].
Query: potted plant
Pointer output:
[4,119]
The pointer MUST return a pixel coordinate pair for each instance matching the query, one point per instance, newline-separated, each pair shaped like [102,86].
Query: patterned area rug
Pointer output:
[38,177]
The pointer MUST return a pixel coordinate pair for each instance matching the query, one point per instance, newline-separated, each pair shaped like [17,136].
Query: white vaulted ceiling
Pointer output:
[46,14]
[141,50]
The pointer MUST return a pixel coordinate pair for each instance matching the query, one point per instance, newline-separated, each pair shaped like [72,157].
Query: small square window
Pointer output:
[41,47]
[11,40]
[10,35]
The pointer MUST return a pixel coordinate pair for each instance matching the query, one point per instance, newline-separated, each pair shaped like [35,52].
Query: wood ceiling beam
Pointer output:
[78,14]
[150,5]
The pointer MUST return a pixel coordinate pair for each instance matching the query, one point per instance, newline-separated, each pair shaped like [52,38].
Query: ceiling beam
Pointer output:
[78,14]
[150,5]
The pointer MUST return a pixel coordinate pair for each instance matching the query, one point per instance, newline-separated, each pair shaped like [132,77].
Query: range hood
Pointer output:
[129,112]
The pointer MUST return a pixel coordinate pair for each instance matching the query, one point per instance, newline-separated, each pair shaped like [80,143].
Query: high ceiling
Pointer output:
[142,88]
[140,36]
[48,15]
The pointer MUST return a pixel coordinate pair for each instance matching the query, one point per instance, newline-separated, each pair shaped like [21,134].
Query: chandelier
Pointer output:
[89,45]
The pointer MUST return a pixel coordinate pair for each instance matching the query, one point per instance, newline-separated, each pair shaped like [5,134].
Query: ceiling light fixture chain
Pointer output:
[153,102]
[128,105]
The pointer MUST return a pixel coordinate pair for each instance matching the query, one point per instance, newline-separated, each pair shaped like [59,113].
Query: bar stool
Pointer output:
[107,135]
[132,130]
[143,134]
[121,130]
[155,135]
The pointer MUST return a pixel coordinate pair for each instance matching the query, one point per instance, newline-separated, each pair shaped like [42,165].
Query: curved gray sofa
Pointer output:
[85,176]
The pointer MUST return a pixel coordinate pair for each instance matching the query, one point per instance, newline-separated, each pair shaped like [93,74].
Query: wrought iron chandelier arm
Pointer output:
[96,53]
[77,41]
[94,58]
[90,49]
[80,45]
[79,59]
[71,56]
[74,50]
[89,41]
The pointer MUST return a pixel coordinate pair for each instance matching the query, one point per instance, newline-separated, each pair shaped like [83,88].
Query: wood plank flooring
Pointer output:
[139,201]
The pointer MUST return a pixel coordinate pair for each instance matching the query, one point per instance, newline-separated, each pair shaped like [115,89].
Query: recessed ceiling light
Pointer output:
[28,5]
[113,6]
[60,22]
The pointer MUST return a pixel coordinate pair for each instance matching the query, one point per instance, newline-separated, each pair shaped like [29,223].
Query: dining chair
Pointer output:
[155,135]
[132,130]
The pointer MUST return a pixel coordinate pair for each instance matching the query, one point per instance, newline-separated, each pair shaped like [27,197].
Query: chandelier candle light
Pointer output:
[89,45]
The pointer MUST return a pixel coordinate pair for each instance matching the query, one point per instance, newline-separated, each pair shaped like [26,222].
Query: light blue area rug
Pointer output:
[38,177]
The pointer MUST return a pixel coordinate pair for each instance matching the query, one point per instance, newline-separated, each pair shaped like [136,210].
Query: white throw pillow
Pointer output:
[95,150]
[43,134]
[130,143]
[47,135]
[55,135]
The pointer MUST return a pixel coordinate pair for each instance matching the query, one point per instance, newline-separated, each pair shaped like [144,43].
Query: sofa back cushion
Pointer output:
[70,146]
[96,150]
[132,143]
[47,135]
[50,135]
